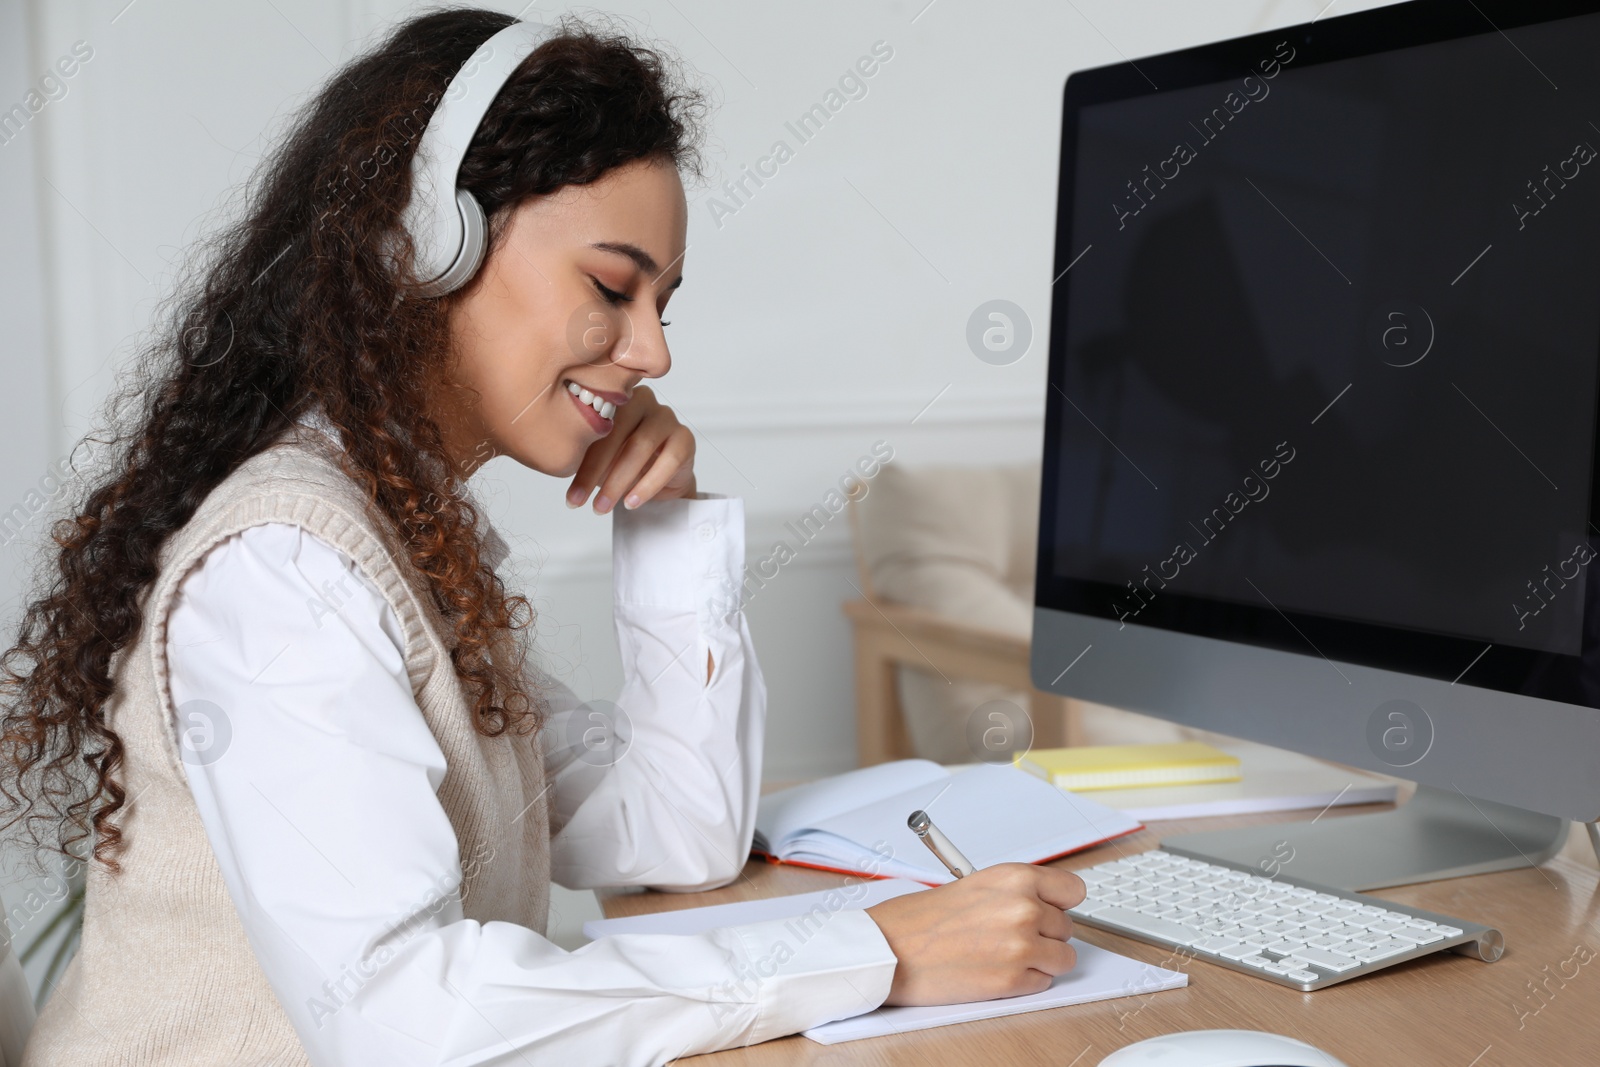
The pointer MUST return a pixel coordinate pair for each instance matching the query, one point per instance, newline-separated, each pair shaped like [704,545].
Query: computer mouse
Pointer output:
[1220,1048]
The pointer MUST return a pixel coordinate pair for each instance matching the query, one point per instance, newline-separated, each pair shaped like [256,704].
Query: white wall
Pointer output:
[27,394]
[25,400]
[823,315]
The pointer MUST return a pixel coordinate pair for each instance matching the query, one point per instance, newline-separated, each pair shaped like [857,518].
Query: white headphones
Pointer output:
[450,232]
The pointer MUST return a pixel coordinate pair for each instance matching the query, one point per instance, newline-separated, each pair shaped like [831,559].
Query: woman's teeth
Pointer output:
[604,408]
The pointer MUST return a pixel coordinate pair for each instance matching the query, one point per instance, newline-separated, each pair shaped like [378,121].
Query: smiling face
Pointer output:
[570,300]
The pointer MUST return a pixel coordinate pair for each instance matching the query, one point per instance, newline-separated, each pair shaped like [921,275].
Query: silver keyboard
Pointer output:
[1286,930]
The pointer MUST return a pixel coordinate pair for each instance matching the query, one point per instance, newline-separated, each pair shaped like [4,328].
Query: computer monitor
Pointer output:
[1320,455]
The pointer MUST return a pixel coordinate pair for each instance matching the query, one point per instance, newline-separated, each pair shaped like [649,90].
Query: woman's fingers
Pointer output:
[1061,888]
[597,460]
[672,467]
[1055,957]
[649,453]
[632,418]
[652,446]
[1053,922]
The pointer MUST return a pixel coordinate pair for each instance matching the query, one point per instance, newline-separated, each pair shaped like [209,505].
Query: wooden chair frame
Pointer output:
[889,635]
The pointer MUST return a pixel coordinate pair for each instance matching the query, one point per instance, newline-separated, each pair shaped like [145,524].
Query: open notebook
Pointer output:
[1099,974]
[856,822]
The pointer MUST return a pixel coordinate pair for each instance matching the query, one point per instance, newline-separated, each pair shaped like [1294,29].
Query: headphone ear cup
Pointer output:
[474,240]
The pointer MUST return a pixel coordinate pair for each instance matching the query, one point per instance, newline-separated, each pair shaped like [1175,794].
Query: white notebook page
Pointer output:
[1099,974]
[790,810]
[993,814]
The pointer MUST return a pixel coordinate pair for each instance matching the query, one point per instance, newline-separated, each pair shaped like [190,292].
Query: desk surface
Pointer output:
[1440,1009]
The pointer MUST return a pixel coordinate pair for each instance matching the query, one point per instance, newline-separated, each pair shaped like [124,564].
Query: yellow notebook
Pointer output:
[1125,766]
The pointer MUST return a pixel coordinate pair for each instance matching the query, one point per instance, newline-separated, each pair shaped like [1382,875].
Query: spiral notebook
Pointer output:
[856,822]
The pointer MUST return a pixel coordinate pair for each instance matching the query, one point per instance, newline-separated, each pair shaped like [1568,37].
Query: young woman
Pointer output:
[277,690]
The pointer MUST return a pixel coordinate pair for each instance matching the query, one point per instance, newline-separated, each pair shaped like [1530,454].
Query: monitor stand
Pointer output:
[1436,834]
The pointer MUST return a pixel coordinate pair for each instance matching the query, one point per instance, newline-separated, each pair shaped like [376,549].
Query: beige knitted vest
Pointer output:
[165,974]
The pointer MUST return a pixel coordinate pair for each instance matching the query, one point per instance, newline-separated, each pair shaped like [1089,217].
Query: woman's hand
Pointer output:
[647,455]
[1000,932]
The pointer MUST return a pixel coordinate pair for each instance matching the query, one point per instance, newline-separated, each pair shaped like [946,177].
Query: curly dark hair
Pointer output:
[297,305]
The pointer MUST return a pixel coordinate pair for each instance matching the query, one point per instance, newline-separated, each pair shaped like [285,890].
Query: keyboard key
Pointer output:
[1149,924]
[1302,975]
[1337,962]
[1279,967]
[1419,935]
[1257,961]
[1282,929]
[1448,931]
[1218,944]
[1382,950]
[1285,947]
[1238,953]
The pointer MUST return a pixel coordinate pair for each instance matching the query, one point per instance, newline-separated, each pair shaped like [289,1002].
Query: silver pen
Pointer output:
[939,844]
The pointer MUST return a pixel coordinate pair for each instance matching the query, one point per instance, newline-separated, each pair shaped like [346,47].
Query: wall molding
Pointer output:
[890,410]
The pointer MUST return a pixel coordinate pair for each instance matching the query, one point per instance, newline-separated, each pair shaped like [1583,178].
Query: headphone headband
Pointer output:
[447,225]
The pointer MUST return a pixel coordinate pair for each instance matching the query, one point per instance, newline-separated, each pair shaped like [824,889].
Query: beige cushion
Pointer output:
[960,541]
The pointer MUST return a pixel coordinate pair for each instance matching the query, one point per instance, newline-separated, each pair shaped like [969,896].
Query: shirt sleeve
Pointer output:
[659,788]
[316,779]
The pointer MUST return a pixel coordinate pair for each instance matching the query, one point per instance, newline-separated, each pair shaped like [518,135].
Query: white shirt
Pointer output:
[316,777]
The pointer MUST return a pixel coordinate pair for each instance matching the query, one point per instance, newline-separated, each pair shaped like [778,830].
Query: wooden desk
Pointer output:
[1441,1009]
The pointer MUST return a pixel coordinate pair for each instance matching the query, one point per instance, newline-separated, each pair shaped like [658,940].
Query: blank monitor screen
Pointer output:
[1325,356]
